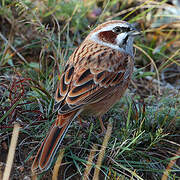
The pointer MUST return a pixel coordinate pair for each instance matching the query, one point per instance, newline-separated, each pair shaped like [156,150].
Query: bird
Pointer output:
[95,77]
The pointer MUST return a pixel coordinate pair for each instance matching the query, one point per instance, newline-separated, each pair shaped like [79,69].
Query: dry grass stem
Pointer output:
[102,151]
[34,176]
[170,165]
[12,47]
[89,163]
[11,152]
[154,64]
[58,164]
[1,172]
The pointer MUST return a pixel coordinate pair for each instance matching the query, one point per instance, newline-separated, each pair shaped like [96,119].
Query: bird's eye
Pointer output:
[119,29]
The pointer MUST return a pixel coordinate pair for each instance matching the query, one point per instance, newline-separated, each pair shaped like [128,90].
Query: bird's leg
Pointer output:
[102,125]
[82,124]
[80,121]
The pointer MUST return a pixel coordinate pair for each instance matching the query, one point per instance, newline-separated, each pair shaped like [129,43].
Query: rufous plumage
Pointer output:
[94,79]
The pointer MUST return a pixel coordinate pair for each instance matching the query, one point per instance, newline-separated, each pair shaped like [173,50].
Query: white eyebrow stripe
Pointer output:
[110,27]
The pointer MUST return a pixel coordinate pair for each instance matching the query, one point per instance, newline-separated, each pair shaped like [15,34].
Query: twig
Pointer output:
[170,165]
[11,152]
[57,165]
[13,48]
[1,172]
[89,162]
[102,151]
[154,64]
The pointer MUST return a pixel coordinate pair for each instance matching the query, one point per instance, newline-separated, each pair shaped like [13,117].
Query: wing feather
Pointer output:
[83,84]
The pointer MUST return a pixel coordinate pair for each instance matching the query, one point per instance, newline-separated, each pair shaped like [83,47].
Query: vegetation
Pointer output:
[36,39]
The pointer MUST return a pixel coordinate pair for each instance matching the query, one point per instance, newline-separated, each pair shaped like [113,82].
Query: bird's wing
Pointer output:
[83,84]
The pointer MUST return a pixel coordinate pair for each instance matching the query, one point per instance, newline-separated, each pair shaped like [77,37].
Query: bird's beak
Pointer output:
[134,31]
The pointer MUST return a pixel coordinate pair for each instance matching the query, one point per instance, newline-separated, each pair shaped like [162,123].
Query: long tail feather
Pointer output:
[51,143]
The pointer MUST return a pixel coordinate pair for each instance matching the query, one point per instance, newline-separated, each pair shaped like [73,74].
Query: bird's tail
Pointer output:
[51,143]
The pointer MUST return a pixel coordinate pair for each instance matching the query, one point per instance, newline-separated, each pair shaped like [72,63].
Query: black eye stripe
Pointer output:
[119,29]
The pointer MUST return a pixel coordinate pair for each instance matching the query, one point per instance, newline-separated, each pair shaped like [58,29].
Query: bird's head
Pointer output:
[115,34]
